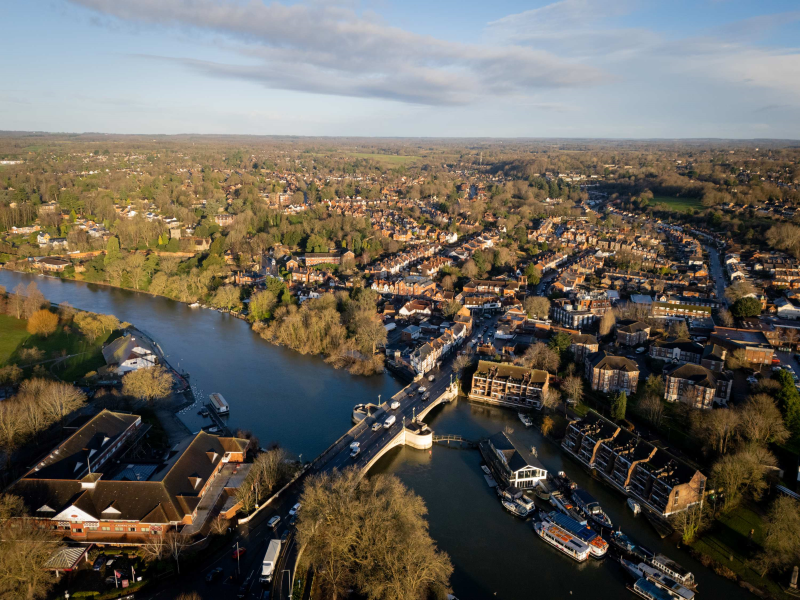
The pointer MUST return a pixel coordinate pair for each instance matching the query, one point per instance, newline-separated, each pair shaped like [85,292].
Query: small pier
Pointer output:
[454,441]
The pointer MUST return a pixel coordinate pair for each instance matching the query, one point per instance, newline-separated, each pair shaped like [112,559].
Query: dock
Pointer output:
[212,413]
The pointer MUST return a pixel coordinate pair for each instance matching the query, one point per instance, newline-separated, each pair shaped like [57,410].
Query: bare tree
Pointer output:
[151,383]
[742,473]
[739,289]
[541,356]
[761,422]
[607,322]
[573,388]
[176,543]
[536,307]
[155,547]
[781,536]
[726,317]
[716,428]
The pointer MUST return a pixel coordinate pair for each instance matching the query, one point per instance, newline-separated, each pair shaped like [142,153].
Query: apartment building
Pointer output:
[582,346]
[632,333]
[677,351]
[697,386]
[608,373]
[505,384]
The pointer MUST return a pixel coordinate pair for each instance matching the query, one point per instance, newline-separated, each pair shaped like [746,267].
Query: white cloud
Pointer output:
[331,49]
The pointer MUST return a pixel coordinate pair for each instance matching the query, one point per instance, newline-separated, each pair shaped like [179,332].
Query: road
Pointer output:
[255,535]
[717,273]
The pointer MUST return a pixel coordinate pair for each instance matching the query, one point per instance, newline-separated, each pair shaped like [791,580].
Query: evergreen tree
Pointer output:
[619,404]
[112,251]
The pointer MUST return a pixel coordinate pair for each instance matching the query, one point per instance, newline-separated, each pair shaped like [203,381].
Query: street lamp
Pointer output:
[237,558]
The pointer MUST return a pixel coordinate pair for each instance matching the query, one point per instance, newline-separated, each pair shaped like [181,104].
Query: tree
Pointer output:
[151,383]
[533,274]
[781,536]
[789,402]
[746,307]
[17,303]
[461,362]
[679,330]
[551,398]
[716,429]
[469,269]
[261,306]
[726,317]
[451,308]
[42,323]
[560,342]
[227,297]
[573,388]
[761,422]
[540,356]
[536,307]
[607,322]
[343,528]
[690,522]
[24,550]
[112,251]
[739,289]
[742,473]
[547,425]
[34,300]
[176,543]
[619,404]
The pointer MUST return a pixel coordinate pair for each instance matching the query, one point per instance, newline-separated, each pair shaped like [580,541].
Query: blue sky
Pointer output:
[505,68]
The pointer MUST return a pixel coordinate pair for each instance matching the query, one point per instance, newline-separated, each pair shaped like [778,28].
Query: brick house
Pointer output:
[632,333]
[677,351]
[697,386]
[582,346]
[608,373]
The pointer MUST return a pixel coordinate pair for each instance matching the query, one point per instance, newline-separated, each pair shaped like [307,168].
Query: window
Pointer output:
[106,528]
[132,529]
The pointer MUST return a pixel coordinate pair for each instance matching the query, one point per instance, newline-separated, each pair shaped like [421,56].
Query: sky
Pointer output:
[404,68]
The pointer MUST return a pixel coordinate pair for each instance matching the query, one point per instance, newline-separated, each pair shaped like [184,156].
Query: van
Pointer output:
[389,422]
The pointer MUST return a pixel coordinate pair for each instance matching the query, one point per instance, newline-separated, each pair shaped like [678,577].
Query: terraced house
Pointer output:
[86,490]
[505,384]
[633,466]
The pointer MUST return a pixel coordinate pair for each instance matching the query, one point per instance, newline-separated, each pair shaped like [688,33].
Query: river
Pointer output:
[305,405]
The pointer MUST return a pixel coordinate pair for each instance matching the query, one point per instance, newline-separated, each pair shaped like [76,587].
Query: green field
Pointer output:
[386,158]
[677,204]
[15,339]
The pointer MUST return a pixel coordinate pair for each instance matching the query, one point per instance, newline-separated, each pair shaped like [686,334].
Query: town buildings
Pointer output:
[505,384]
[512,466]
[608,373]
[635,467]
[697,386]
[582,346]
[87,490]
[632,333]
[129,353]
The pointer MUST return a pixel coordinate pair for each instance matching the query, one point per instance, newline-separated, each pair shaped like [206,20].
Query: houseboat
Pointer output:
[526,420]
[219,403]
[649,590]
[515,509]
[626,548]
[560,502]
[562,540]
[590,508]
[665,582]
[674,570]
[543,490]
[598,547]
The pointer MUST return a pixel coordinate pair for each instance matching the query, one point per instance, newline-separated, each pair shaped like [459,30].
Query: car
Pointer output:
[214,575]
[641,350]
[752,380]
[355,445]
[426,396]
[294,510]
[243,590]
[99,562]
[292,520]
[777,368]
[422,389]
[239,552]
[376,425]
[284,535]
[394,405]
[431,377]
[273,522]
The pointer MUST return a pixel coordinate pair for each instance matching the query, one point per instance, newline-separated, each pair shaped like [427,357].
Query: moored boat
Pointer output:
[526,420]
[515,508]
[665,582]
[598,547]
[634,506]
[562,540]
[631,569]
[649,590]
[543,490]
[559,501]
[194,305]
[674,570]
[626,548]
[590,508]
[219,403]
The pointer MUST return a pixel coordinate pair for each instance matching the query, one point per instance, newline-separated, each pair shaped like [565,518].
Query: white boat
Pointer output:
[562,541]
[515,509]
[634,506]
[665,582]
[486,470]
[650,591]
[194,305]
[219,403]
[526,420]
[673,569]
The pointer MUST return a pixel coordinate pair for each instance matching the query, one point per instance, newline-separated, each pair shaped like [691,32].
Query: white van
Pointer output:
[389,422]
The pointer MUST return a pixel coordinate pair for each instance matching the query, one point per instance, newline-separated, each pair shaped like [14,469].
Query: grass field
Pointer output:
[14,339]
[391,159]
[677,204]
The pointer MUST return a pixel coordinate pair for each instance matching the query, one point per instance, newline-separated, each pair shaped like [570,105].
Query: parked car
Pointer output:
[214,575]
[294,510]
[752,380]
[99,562]
[641,350]
[394,405]
[273,522]
[239,552]
[426,396]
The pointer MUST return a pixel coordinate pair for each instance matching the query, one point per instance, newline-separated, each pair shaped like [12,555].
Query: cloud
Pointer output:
[325,48]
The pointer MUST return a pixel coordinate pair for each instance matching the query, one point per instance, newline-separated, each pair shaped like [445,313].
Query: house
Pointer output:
[713,358]
[129,353]
[755,344]
[505,384]
[633,466]
[416,307]
[608,373]
[583,345]
[83,493]
[511,466]
[223,219]
[788,308]
[632,333]
[697,386]
[676,351]
[52,263]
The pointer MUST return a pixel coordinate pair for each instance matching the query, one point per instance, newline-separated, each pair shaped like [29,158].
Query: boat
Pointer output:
[634,506]
[665,582]
[631,569]
[527,503]
[674,570]
[598,547]
[564,483]
[203,412]
[219,404]
[486,470]
[194,305]
[543,490]
[559,501]
[515,509]
[526,420]
[626,548]
[590,508]
[562,540]
[649,590]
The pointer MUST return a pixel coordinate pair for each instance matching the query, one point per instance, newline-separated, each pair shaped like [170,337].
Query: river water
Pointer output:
[305,405]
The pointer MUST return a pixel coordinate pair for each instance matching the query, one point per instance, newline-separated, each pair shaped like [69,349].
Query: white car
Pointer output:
[431,377]
[394,405]
[422,390]
[641,350]
[355,445]
[376,425]
[294,510]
